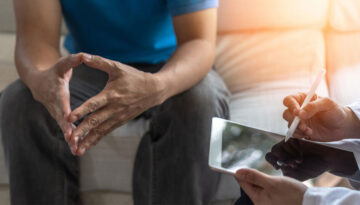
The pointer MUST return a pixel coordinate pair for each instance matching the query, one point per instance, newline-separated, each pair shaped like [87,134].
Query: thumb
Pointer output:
[312,108]
[254,192]
[67,63]
[66,110]
[253,177]
[63,111]
[100,63]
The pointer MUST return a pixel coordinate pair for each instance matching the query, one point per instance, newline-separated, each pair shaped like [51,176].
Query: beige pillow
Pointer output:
[247,59]
[343,59]
[345,15]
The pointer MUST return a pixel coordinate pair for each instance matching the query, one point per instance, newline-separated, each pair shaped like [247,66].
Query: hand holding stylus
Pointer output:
[308,97]
[321,119]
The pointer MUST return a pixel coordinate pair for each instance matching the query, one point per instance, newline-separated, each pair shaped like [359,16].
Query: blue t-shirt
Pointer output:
[129,31]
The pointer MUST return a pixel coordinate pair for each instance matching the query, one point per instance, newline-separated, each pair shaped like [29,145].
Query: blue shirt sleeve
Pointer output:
[179,7]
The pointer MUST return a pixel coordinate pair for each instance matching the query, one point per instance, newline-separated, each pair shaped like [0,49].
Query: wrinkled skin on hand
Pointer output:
[128,93]
[51,88]
[321,119]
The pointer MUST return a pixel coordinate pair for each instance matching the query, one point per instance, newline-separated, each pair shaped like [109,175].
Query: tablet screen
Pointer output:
[234,146]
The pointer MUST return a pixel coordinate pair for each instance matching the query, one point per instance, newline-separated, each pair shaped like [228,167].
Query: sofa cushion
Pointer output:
[261,68]
[345,15]
[235,15]
[343,60]
[108,165]
[246,59]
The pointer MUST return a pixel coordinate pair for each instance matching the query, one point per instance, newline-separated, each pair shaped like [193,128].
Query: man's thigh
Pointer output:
[180,136]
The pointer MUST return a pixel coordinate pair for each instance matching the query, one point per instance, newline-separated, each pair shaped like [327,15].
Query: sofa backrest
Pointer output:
[240,15]
[7,20]
[245,15]
[344,15]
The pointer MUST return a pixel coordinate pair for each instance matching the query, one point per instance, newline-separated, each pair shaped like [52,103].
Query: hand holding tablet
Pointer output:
[234,146]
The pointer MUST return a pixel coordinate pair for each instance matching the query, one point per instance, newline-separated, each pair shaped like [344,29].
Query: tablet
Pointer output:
[234,146]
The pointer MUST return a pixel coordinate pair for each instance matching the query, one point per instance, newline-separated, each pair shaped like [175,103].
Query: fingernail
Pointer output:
[302,113]
[73,118]
[82,150]
[77,139]
[72,149]
[296,111]
[302,127]
[240,176]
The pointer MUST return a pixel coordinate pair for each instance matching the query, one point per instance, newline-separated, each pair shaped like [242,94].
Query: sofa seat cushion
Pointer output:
[239,15]
[343,60]
[345,15]
[108,165]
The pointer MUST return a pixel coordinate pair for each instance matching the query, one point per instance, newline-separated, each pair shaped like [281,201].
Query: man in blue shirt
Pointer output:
[129,59]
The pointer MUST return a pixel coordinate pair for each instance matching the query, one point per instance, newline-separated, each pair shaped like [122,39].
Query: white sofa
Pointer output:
[265,51]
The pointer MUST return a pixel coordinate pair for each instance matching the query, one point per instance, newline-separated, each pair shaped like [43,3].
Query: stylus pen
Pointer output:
[309,95]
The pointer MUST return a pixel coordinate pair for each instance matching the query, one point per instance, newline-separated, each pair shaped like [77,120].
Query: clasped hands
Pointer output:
[127,94]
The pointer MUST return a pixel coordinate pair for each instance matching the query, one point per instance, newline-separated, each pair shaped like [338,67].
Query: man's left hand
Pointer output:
[128,93]
[269,190]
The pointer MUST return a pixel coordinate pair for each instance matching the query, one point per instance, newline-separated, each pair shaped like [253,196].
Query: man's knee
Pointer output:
[15,96]
[209,97]
[17,105]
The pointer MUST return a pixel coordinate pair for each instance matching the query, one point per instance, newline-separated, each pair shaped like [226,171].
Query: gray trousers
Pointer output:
[171,161]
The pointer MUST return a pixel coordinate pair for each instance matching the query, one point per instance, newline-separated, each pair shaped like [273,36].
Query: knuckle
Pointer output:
[114,71]
[96,58]
[80,131]
[92,106]
[77,115]
[286,100]
[113,95]
[248,176]
[328,101]
[87,145]
[309,107]
[301,95]
[112,63]
[93,121]
[285,113]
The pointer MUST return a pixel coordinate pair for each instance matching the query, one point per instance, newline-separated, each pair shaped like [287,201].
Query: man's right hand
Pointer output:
[321,119]
[51,88]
